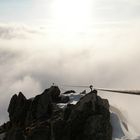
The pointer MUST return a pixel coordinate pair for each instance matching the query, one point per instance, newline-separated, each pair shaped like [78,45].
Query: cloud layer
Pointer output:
[13,31]
[106,57]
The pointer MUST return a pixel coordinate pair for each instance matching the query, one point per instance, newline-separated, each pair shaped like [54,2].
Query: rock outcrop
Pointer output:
[17,109]
[41,118]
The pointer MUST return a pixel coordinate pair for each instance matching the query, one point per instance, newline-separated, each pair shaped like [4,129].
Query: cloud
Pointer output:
[14,31]
[27,85]
[106,57]
[117,10]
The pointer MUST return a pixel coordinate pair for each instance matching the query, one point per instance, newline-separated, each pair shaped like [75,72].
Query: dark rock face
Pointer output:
[40,131]
[85,121]
[42,119]
[15,133]
[42,105]
[17,109]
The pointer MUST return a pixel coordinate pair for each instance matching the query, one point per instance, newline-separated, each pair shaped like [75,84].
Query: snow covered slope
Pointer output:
[122,130]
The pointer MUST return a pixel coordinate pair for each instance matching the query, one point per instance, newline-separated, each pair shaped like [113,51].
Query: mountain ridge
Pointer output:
[41,118]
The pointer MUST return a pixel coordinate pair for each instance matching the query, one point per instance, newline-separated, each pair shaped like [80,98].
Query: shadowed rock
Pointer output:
[42,105]
[15,133]
[89,119]
[85,120]
[17,109]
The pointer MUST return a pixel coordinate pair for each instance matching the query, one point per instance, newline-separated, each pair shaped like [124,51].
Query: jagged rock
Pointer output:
[89,119]
[54,91]
[17,109]
[44,107]
[41,107]
[86,122]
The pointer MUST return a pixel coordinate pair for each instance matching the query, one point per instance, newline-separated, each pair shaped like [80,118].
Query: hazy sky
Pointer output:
[35,11]
[70,42]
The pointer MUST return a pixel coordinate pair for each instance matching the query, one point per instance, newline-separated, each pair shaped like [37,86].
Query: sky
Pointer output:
[77,42]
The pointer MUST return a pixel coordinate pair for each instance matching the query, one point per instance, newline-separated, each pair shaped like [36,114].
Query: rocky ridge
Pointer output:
[41,118]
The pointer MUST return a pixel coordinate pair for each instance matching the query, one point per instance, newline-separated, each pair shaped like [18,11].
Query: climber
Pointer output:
[91,87]
[93,90]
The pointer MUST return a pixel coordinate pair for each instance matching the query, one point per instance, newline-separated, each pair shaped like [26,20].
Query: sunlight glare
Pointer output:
[71,15]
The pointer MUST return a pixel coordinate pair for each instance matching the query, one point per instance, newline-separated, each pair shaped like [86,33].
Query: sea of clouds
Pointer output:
[32,58]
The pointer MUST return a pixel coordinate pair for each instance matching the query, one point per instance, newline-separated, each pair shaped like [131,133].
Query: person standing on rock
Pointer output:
[93,91]
[91,87]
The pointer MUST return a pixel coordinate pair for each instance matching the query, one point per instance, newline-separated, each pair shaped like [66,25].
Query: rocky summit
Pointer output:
[40,118]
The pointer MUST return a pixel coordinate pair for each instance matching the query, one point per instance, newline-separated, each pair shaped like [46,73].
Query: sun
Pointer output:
[71,15]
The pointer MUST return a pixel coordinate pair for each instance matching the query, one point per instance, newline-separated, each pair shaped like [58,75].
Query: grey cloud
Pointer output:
[7,56]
